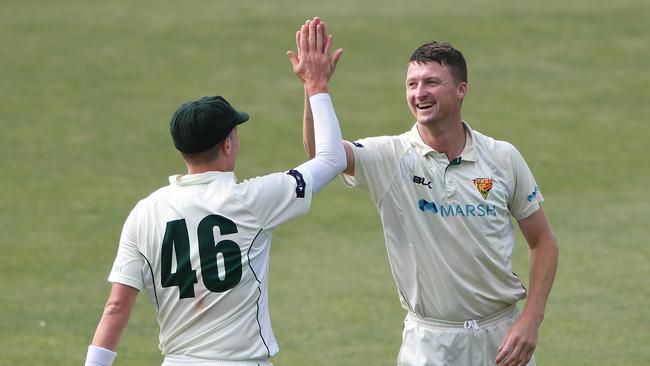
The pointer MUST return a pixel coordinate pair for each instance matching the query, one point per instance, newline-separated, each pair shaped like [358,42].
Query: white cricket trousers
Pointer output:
[174,360]
[433,342]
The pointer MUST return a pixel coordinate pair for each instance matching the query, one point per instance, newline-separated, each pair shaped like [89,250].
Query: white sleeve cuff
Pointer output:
[320,97]
[98,356]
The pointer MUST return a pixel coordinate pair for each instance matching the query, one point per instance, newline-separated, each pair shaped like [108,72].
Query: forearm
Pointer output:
[543,266]
[308,129]
[109,331]
[111,326]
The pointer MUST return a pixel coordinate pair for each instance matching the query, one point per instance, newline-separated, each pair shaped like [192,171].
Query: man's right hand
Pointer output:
[313,63]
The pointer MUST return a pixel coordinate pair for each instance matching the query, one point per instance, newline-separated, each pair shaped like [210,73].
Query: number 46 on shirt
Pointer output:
[176,241]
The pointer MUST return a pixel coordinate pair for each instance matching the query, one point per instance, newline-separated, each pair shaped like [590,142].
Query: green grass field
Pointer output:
[88,89]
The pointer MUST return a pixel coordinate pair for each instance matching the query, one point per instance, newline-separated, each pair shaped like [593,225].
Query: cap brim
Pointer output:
[241,117]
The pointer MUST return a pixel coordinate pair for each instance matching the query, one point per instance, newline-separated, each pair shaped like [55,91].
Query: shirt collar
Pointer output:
[469,151]
[201,178]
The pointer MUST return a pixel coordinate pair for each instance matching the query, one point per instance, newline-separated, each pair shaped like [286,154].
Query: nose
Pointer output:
[420,91]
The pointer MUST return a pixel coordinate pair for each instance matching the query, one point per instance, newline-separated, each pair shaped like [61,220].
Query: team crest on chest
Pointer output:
[484,185]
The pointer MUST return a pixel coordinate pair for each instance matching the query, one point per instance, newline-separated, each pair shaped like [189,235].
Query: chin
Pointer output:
[426,121]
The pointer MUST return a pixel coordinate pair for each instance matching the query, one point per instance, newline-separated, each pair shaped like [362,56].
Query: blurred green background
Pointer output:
[88,88]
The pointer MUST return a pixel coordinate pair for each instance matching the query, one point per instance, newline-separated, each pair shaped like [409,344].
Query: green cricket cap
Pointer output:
[199,124]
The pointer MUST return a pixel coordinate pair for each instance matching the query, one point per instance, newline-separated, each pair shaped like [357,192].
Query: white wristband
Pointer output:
[98,356]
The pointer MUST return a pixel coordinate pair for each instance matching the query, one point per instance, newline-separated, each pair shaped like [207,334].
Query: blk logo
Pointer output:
[422,181]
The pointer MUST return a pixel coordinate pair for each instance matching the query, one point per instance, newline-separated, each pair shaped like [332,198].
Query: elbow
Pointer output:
[334,159]
[339,162]
[117,308]
[552,240]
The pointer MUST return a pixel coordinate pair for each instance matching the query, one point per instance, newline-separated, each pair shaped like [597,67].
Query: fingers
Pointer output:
[312,35]
[319,38]
[514,353]
[304,38]
[513,358]
[504,349]
[293,57]
[328,44]
[502,355]
[336,57]
[298,41]
[325,37]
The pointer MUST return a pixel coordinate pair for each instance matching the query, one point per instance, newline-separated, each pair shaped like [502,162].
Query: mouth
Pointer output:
[423,106]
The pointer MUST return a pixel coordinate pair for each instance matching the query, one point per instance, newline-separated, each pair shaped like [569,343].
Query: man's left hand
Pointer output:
[518,346]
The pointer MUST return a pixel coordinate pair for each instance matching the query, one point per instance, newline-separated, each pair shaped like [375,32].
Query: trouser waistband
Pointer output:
[174,360]
[475,324]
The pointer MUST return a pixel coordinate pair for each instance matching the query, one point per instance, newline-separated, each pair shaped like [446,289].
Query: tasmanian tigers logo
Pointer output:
[484,185]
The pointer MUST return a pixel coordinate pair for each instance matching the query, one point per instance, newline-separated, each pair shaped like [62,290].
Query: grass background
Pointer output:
[88,89]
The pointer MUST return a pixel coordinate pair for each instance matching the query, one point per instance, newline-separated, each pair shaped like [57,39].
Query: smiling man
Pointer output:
[446,193]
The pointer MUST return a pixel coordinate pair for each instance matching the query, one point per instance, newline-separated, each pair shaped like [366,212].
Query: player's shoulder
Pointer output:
[495,147]
[147,203]
[270,183]
[501,152]
[261,180]
[383,143]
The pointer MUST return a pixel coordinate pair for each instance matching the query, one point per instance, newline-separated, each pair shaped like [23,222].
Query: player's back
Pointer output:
[204,243]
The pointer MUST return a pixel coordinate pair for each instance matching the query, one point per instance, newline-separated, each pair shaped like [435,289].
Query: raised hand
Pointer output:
[313,63]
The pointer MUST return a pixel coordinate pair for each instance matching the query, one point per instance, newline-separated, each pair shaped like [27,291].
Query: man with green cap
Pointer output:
[200,246]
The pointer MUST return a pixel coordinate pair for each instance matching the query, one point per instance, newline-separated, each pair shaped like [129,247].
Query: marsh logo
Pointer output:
[533,195]
[427,206]
[479,210]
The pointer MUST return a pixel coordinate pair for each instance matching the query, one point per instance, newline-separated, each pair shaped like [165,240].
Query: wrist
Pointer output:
[315,88]
[98,356]
[533,315]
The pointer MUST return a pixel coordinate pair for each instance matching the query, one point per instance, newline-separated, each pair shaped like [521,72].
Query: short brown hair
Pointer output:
[204,157]
[444,54]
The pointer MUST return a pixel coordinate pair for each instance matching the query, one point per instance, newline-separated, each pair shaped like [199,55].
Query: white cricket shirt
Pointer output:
[447,224]
[199,248]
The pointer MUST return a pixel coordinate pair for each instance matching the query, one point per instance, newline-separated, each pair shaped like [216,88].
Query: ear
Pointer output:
[226,146]
[461,90]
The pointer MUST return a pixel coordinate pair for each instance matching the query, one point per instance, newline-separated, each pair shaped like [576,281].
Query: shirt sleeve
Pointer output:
[525,197]
[127,268]
[330,155]
[374,165]
[279,197]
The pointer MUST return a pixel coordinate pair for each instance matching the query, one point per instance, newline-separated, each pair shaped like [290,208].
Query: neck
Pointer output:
[216,166]
[449,139]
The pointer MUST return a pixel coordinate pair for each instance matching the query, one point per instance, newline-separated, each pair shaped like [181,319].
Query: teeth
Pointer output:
[424,105]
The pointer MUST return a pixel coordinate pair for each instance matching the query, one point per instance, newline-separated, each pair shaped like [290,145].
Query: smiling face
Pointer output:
[432,94]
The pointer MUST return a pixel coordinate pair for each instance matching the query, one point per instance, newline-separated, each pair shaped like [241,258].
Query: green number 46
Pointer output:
[176,241]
